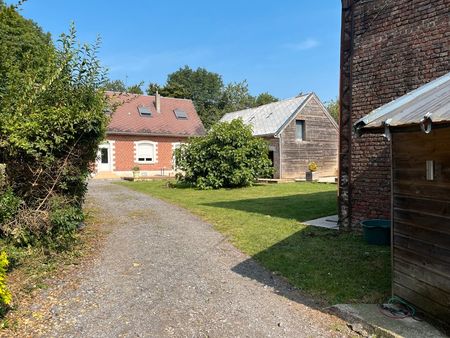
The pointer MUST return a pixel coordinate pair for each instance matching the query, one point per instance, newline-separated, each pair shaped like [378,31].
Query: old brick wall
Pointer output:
[320,144]
[124,152]
[398,46]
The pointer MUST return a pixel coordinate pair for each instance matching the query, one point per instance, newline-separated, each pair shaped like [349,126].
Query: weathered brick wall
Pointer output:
[398,46]
[125,156]
[320,144]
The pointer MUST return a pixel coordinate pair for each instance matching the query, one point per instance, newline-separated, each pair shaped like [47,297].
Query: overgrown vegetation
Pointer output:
[32,268]
[265,222]
[228,156]
[51,122]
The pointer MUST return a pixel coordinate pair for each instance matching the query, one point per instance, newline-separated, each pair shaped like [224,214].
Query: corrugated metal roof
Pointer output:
[431,100]
[269,118]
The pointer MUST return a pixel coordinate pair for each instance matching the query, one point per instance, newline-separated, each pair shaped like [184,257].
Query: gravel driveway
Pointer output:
[163,272]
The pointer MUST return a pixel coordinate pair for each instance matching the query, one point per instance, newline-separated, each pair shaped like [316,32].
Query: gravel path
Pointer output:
[163,272]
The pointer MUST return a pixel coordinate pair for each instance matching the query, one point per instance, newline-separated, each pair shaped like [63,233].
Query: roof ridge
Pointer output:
[271,103]
[146,95]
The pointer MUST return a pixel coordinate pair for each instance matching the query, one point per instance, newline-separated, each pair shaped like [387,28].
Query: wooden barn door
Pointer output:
[421,220]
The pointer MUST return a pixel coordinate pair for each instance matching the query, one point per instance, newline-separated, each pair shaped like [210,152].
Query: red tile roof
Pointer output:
[127,120]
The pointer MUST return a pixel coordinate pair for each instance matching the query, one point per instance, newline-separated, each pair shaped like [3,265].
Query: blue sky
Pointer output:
[283,47]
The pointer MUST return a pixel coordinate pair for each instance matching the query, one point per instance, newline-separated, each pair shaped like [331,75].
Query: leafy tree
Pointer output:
[204,88]
[136,88]
[119,86]
[264,98]
[51,122]
[153,88]
[333,108]
[235,96]
[115,86]
[22,43]
[228,156]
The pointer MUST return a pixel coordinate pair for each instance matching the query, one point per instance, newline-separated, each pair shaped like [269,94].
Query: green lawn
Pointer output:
[264,221]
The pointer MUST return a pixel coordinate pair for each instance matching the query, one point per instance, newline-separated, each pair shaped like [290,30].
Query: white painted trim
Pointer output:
[175,144]
[113,154]
[109,146]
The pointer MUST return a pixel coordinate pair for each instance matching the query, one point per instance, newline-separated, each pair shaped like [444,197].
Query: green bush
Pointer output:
[5,295]
[9,204]
[65,220]
[228,156]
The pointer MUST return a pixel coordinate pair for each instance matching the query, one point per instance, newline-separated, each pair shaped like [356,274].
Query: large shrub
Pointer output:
[51,122]
[228,156]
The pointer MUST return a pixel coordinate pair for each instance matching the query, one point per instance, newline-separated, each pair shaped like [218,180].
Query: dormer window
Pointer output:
[144,111]
[180,114]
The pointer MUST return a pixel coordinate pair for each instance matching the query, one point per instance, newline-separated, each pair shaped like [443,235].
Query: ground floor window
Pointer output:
[175,145]
[145,152]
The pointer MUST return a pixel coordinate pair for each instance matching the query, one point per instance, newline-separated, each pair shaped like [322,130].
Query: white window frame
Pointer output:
[155,151]
[175,145]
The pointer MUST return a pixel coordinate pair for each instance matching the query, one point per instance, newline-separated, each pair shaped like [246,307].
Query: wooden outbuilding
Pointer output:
[299,130]
[418,128]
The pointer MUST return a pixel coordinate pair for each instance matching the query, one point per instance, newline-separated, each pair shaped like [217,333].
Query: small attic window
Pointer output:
[180,114]
[144,111]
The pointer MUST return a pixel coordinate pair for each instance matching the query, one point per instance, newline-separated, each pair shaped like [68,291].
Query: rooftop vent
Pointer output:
[180,114]
[144,111]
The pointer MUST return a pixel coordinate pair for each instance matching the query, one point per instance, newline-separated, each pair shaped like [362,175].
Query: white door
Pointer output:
[104,157]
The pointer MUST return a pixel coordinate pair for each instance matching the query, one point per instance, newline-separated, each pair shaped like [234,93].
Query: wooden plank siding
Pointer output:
[320,144]
[421,221]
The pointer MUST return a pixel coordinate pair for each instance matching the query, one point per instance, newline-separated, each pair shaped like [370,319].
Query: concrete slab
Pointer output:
[329,222]
[330,179]
[366,319]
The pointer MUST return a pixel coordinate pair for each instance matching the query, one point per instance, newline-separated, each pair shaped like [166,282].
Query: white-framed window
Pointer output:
[146,152]
[175,145]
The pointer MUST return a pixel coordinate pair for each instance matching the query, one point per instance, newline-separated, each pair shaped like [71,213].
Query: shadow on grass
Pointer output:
[330,266]
[301,207]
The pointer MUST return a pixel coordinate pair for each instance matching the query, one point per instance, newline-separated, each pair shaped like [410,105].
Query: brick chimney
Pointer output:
[158,102]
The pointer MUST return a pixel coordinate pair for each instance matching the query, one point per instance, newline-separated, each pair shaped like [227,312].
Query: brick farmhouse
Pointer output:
[299,130]
[143,132]
[388,48]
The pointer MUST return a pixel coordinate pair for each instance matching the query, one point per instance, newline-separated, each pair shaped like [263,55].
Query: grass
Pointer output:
[265,222]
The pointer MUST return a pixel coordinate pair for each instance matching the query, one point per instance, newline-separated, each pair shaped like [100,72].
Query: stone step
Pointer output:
[106,175]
